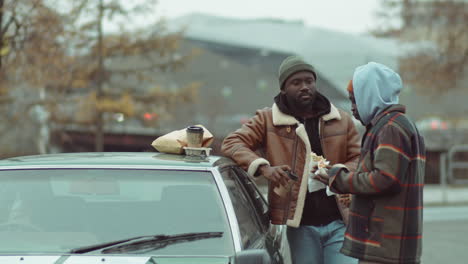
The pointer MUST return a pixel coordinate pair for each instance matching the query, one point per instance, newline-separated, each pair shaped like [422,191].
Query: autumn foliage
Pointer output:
[62,50]
[435,40]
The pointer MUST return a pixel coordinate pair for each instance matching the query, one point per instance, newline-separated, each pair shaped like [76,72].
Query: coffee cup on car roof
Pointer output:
[194,136]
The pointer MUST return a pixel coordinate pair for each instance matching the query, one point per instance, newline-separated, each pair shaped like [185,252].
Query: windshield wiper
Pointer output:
[151,242]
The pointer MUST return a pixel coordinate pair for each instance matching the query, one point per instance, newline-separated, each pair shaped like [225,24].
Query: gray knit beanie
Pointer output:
[291,65]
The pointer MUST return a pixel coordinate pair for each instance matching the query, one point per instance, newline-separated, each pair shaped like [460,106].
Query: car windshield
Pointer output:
[61,209]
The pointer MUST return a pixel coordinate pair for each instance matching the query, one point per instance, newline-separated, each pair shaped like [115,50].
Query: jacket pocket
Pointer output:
[288,132]
[375,228]
[363,226]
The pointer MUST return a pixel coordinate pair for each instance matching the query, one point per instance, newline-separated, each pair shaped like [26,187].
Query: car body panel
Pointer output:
[67,259]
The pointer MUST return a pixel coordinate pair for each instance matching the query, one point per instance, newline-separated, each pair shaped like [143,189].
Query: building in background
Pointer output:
[236,72]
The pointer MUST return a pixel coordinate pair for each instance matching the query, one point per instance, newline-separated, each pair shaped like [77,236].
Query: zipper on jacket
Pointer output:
[320,133]
[288,204]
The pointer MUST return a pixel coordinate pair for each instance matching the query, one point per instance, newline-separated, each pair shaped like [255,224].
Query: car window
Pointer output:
[259,202]
[250,229]
[56,210]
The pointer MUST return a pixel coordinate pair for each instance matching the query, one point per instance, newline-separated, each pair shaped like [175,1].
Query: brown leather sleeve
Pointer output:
[241,144]
[354,145]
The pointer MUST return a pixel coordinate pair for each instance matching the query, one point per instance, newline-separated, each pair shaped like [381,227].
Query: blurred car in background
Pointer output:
[133,208]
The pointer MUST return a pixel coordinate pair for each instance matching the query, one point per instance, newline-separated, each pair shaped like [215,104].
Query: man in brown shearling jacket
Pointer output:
[279,140]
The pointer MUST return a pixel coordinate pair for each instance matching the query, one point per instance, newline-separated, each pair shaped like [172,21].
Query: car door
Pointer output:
[251,211]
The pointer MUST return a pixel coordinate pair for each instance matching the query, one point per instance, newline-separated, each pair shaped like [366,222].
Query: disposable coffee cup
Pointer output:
[194,136]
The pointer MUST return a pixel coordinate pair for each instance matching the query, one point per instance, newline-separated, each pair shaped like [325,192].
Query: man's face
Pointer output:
[354,106]
[300,89]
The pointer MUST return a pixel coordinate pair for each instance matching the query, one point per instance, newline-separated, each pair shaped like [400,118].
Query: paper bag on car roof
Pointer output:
[175,141]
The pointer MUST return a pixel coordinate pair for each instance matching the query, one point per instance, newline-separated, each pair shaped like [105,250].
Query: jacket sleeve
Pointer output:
[242,144]
[389,167]
[354,145]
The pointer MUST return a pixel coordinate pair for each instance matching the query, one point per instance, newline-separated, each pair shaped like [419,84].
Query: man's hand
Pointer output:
[345,199]
[276,174]
[321,175]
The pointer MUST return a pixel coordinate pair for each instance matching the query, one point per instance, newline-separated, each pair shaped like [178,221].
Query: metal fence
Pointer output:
[453,168]
[457,161]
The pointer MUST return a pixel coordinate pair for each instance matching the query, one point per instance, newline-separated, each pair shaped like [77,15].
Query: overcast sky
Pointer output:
[343,15]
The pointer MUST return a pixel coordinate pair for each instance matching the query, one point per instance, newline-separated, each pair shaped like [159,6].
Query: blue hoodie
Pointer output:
[376,87]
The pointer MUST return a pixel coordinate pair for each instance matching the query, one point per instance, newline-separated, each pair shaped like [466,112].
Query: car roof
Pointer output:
[114,158]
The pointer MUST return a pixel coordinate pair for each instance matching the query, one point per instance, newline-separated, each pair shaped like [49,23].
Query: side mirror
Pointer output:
[253,256]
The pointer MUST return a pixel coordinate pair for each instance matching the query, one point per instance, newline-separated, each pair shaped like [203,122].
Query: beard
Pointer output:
[301,103]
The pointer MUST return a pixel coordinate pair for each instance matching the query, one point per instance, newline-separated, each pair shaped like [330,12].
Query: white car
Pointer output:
[132,208]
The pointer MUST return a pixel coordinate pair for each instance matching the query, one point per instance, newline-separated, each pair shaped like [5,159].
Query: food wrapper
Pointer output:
[321,163]
[175,141]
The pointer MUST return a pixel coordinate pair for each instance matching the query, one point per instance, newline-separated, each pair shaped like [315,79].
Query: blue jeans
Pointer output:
[318,244]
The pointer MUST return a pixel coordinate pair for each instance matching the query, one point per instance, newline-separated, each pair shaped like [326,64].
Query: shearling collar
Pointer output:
[282,119]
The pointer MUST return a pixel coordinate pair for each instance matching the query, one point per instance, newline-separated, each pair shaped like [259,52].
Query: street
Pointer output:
[445,235]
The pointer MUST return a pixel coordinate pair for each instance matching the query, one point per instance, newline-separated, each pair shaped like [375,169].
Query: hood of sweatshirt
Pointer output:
[375,87]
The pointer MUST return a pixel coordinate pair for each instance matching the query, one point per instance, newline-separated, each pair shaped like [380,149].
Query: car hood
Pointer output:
[81,259]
